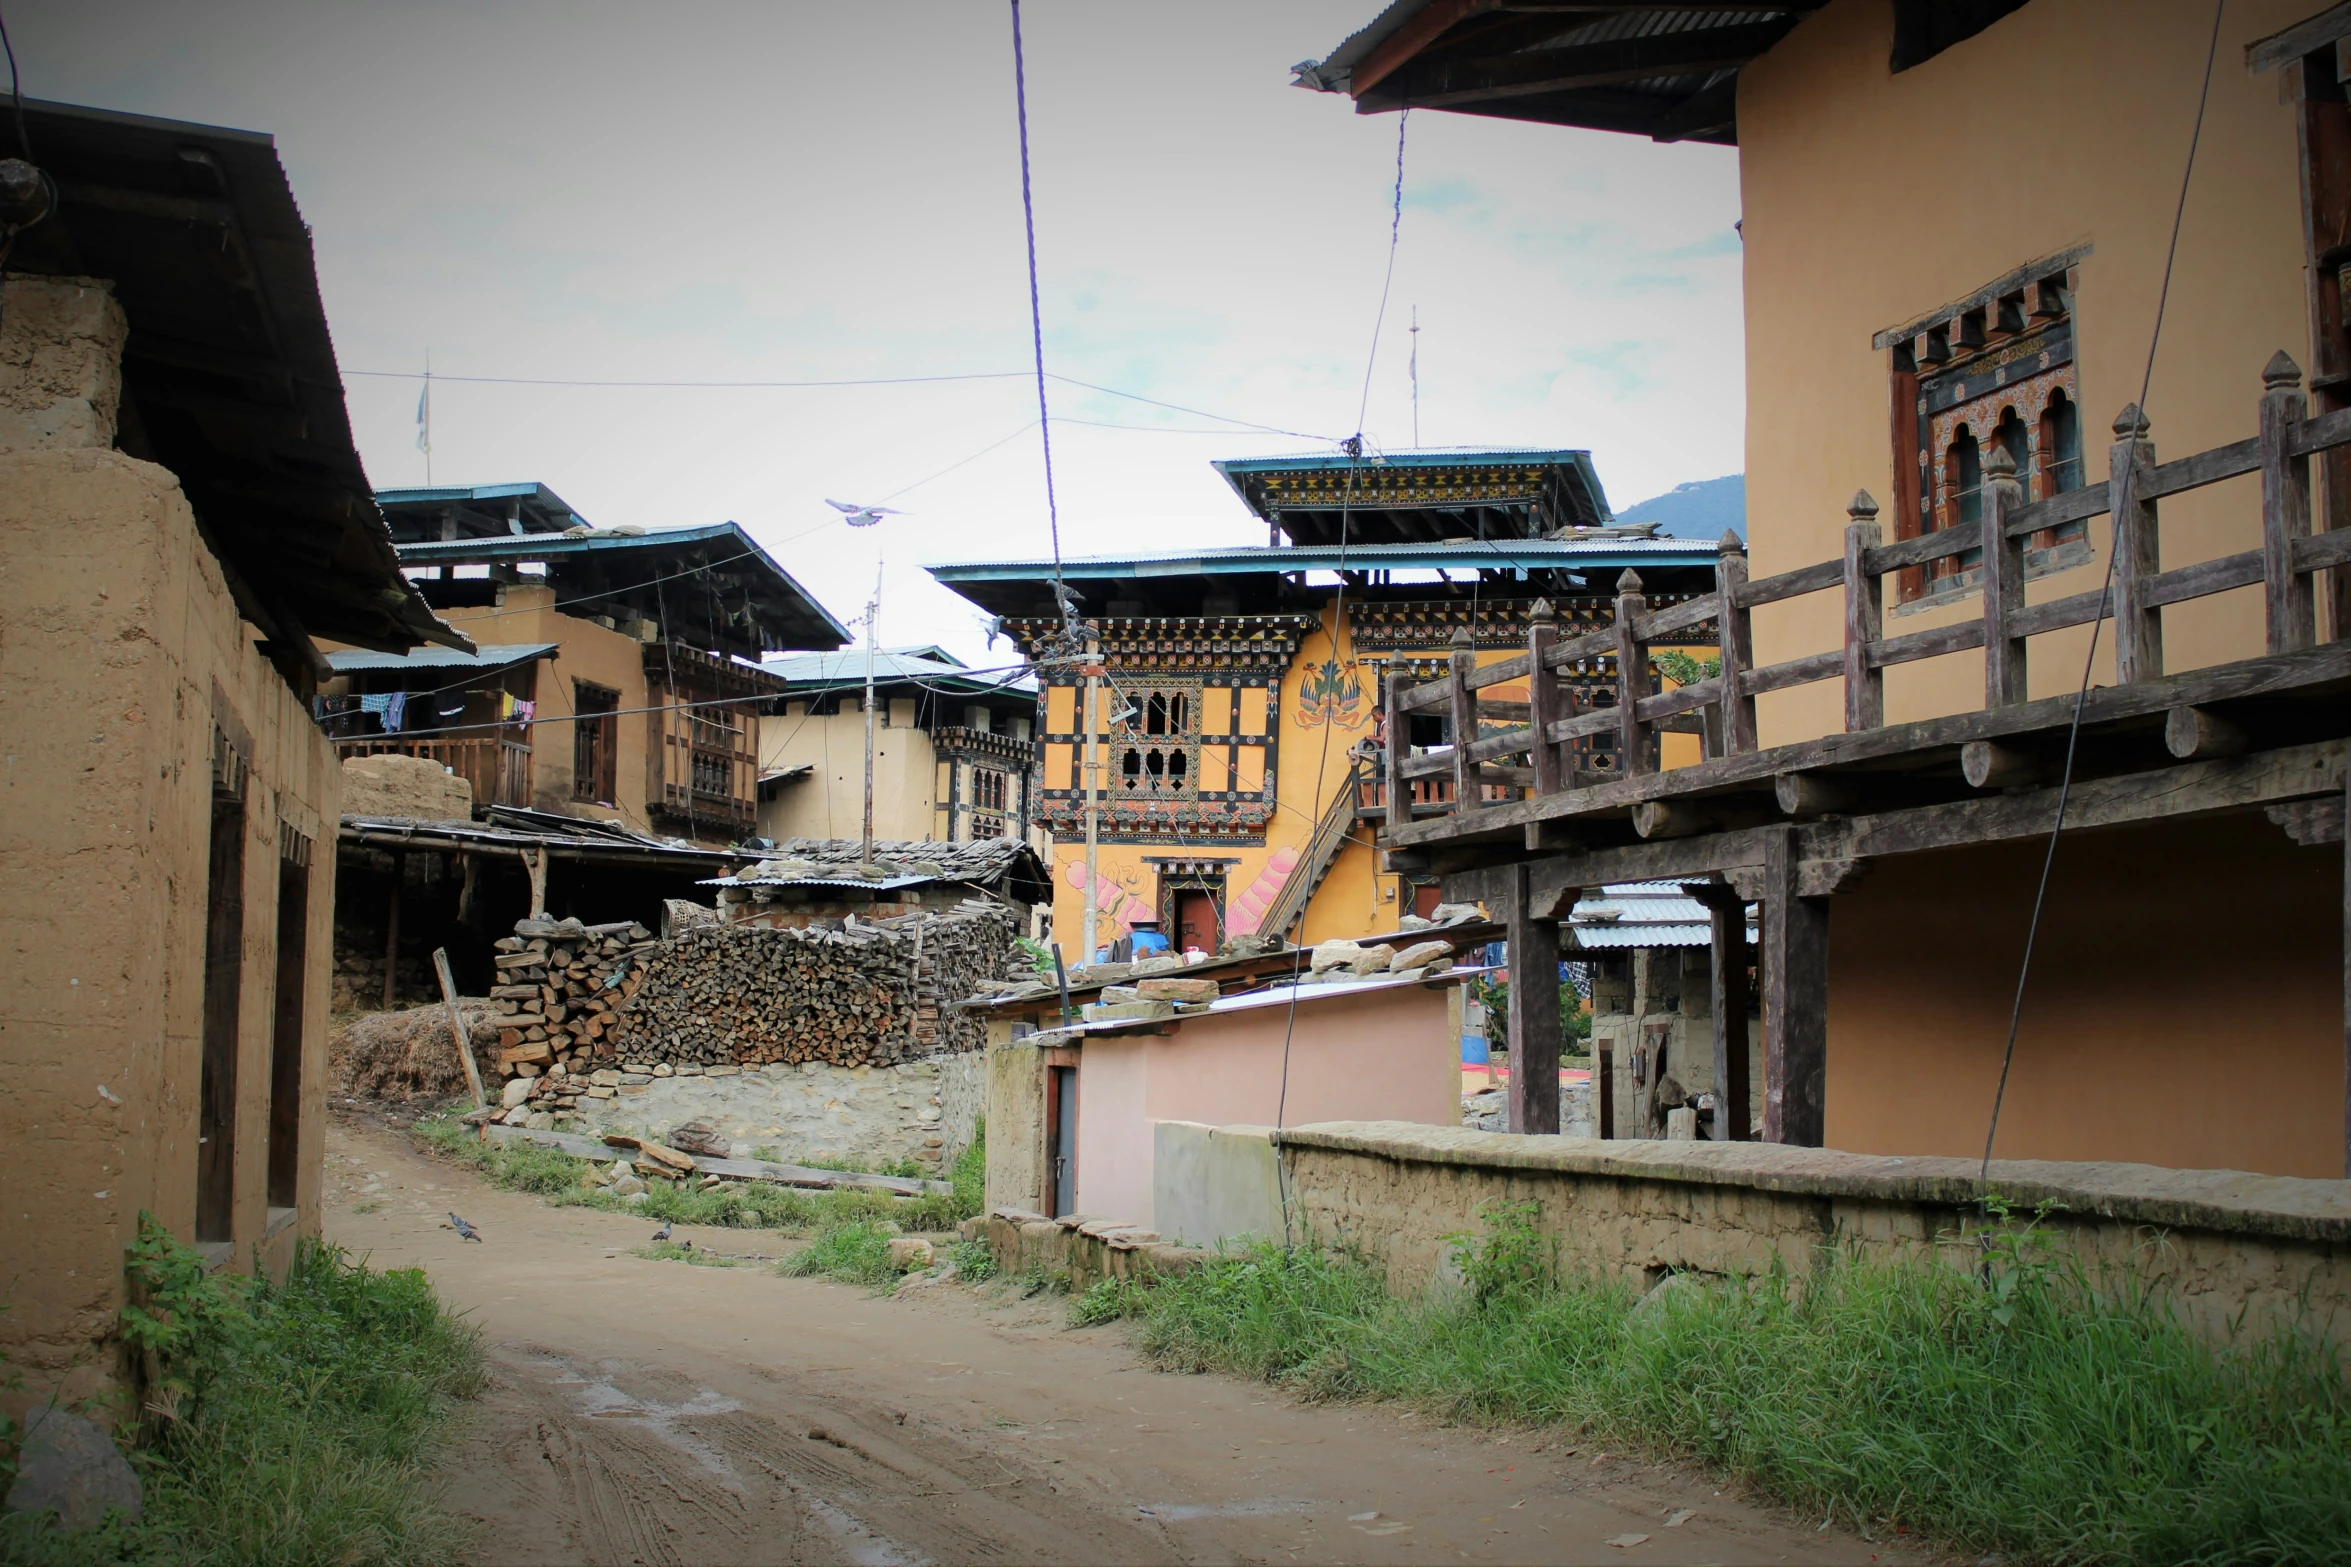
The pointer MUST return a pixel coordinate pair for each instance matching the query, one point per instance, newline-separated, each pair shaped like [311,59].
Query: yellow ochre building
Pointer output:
[1240,717]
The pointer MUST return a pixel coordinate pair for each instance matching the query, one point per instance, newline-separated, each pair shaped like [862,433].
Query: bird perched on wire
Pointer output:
[661,1235]
[464,1230]
[861,516]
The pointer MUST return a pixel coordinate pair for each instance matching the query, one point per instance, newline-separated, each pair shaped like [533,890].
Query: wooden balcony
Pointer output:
[498,769]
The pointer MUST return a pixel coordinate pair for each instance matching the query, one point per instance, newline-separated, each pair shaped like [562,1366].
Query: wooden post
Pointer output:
[1460,665]
[392,927]
[1534,1006]
[1399,744]
[1543,696]
[535,861]
[1738,646]
[2138,626]
[1865,620]
[2004,660]
[2347,984]
[1633,678]
[2285,510]
[1795,999]
[1604,1090]
[1728,912]
[457,1029]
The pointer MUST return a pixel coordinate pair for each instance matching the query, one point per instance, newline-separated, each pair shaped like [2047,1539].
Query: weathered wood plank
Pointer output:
[2322,433]
[2058,510]
[1533,920]
[1727,913]
[1795,965]
[1575,650]
[2073,610]
[1461,663]
[2331,548]
[1738,646]
[2205,577]
[1399,741]
[1634,678]
[1904,553]
[2138,625]
[2003,584]
[740,1169]
[1865,618]
[1681,699]
[2326,666]
[1932,643]
[2290,609]
[2207,467]
[1658,623]
[2307,36]
[1795,672]
[1791,584]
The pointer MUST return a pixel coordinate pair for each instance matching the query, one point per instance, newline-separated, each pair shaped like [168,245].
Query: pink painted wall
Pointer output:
[1387,1055]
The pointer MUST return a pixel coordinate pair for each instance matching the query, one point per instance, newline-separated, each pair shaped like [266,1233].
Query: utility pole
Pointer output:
[1415,364]
[1093,669]
[873,615]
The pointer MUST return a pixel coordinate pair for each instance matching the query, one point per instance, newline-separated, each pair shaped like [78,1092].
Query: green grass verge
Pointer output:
[671,1251]
[561,1179]
[305,1415]
[855,1252]
[2028,1409]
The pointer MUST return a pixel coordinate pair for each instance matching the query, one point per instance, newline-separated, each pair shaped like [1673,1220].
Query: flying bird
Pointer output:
[862,516]
[465,1230]
[661,1235]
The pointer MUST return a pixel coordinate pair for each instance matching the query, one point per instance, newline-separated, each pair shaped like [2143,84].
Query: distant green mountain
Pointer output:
[1697,510]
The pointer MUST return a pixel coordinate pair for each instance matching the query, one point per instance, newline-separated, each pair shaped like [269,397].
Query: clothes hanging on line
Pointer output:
[395,711]
[376,704]
[524,712]
[448,706]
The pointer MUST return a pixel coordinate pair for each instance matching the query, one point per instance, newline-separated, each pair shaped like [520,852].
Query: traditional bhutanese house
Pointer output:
[953,748]
[646,712]
[1958,229]
[182,515]
[1243,691]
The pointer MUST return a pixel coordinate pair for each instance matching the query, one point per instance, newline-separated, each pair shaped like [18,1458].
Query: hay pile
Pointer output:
[406,1054]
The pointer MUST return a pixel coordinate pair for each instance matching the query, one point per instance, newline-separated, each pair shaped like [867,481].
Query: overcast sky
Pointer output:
[791,191]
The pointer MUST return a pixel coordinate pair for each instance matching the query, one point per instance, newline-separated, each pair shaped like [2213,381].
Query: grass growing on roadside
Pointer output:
[303,1415]
[975,1261]
[2030,1409]
[558,1177]
[857,1252]
[671,1251]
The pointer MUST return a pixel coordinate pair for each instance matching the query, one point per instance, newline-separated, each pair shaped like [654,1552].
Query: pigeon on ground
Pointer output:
[464,1230]
[661,1235]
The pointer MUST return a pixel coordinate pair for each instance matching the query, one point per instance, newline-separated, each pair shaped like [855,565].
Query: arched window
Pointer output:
[1131,766]
[2017,442]
[1963,474]
[2060,467]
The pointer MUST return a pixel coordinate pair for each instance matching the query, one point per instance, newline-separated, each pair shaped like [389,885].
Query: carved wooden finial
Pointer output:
[1864,508]
[2001,464]
[1461,640]
[1541,610]
[2281,373]
[1630,582]
[2130,424]
[1730,543]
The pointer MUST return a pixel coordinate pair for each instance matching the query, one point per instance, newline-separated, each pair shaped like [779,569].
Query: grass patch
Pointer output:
[2030,1409]
[750,1205]
[856,1252]
[301,1417]
[975,1261]
[672,1251]
[1107,1300]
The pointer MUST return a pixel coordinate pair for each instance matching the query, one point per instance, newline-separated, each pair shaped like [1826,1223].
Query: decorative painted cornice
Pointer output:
[1202,644]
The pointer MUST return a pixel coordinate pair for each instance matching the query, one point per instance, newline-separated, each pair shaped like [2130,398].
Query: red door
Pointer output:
[1195,914]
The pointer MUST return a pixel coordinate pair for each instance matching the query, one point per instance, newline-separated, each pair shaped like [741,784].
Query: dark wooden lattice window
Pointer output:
[595,742]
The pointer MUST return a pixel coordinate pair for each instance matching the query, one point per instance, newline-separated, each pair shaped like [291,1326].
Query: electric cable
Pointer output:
[1028,212]
[2081,694]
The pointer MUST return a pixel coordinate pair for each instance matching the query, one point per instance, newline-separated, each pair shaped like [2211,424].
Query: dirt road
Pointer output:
[651,1412]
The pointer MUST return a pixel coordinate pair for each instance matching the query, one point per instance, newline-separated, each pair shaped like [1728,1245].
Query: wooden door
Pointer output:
[1195,921]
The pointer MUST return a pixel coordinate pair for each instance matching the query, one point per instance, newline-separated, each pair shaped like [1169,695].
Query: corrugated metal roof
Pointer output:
[1641,914]
[353,661]
[849,665]
[886,884]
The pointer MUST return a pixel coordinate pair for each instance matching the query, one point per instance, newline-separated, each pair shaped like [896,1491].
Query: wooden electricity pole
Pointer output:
[1093,669]
[873,615]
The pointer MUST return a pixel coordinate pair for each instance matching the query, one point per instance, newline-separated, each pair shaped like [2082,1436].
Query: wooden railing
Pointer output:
[2283,565]
[498,770]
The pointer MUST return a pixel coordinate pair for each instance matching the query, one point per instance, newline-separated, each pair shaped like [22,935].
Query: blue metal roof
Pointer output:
[1242,560]
[545,546]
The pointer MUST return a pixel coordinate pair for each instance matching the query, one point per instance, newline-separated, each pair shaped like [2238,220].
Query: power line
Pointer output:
[1028,212]
[2073,732]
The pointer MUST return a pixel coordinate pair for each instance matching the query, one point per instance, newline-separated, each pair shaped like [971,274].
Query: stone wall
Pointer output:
[2232,1245]
[866,1116]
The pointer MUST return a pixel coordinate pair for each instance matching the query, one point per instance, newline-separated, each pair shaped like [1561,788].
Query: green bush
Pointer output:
[296,1422]
[2024,1407]
[975,1261]
[1107,1300]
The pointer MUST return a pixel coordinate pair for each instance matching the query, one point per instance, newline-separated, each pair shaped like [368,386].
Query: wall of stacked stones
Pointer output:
[2228,1247]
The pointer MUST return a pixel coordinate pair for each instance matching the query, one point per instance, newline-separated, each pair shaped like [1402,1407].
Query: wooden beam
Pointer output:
[2346,818]
[1727,912]
[1404,45]
[1795,967]
[2192,734]
[2290,605]
[1865,683]
[1449,82]
[2320,670]
[1533,919]
[1988,766]
[2307,36]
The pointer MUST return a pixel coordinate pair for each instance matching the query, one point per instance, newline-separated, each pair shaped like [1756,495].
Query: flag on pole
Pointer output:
[424,416]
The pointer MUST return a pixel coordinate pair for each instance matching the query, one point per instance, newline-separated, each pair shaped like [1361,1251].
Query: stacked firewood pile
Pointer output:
[867,994]
[560,987]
